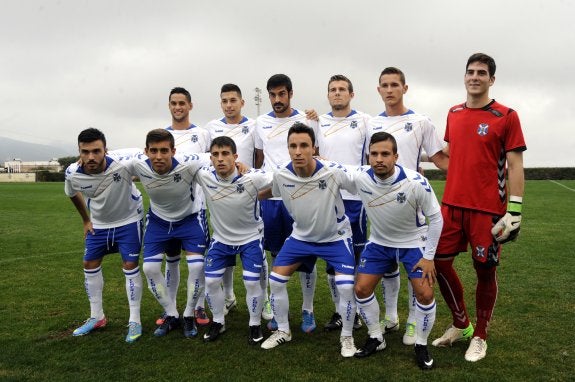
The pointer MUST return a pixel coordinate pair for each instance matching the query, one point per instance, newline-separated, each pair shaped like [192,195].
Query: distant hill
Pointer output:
[11,148]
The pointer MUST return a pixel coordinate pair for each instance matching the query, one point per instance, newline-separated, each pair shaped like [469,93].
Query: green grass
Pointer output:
[42,300]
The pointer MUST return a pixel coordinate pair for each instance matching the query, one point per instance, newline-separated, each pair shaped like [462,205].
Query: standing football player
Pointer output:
[310,189]
[414,134]
[112,217]
[344,124]
[482,200]
[271,152]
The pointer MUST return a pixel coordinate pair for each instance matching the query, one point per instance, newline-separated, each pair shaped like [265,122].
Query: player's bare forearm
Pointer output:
[515,173]
[78,201]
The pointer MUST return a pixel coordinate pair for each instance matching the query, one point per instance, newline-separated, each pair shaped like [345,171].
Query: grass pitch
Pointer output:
[42,300]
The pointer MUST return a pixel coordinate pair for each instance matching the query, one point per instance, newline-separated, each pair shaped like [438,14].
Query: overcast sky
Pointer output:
[71,64]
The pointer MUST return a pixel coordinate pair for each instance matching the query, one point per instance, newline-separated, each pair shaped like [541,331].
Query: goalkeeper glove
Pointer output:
[507,228]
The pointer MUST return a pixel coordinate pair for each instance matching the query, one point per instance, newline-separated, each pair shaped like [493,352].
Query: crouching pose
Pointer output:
[310,190]
[237,228]
[396,200]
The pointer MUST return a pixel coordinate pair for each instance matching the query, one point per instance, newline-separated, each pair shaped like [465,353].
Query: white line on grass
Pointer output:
[562,185]
[12,259]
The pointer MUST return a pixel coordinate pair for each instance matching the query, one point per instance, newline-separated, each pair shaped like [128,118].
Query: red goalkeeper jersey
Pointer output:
[478,141]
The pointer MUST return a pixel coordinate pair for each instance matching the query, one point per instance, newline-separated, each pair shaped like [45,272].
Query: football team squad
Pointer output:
[293,186]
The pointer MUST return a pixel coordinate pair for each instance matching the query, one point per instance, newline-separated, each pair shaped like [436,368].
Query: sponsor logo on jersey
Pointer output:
[378,128]
[240,188]
[266,127]
[326,125]
[366,191]
[480,251]
[401,198]
[117,177]
[177,177]
[85,187]
[194,138]
[353,124]
[212,187]
[289,185]
[219,130]
[408,127]
[145,176]
[245,130]
[482,129]
[322,184]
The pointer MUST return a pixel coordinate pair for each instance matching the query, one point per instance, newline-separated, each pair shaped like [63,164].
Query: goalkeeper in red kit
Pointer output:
[482,201]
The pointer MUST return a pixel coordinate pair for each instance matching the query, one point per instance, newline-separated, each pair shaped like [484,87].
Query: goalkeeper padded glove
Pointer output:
[507,228]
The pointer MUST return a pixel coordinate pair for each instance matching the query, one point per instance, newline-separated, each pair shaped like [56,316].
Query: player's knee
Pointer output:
[424,296]
[152,269]
[362,291]
[129,265]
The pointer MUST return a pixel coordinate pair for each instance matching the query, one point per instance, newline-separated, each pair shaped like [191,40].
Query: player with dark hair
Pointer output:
[414,133]
[188,139]
[112,219]
[310,190]
[398,201]
[482,200]
[241,129]
[271,152]
[232,199]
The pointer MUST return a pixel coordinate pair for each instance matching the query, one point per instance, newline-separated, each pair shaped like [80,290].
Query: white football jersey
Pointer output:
[171,194]
[413,132]
[111,197]
[396,206]
[271,137]
[242,134]
[315,202]
[193,140]
[342,139]
[233,204]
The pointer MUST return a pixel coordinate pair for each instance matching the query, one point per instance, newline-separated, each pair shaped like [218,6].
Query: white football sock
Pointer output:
[157,284]
[333,290]
[308,281]
[196,281]
[254,296]
[347,306]
[424,320]
[134,292]
[215,295]
[173,276]
[412,302]
[228,283]
[390,285]
[280,300]
[94,284]
[369,311]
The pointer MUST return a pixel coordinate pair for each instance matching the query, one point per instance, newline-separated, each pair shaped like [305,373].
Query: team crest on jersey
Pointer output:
[408,127]
[194,138]
[245,130]
[480,251]
[117,177]
[401,198]
[240,188]
[177,177]
[322,185]
[353,124]
[482,129]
